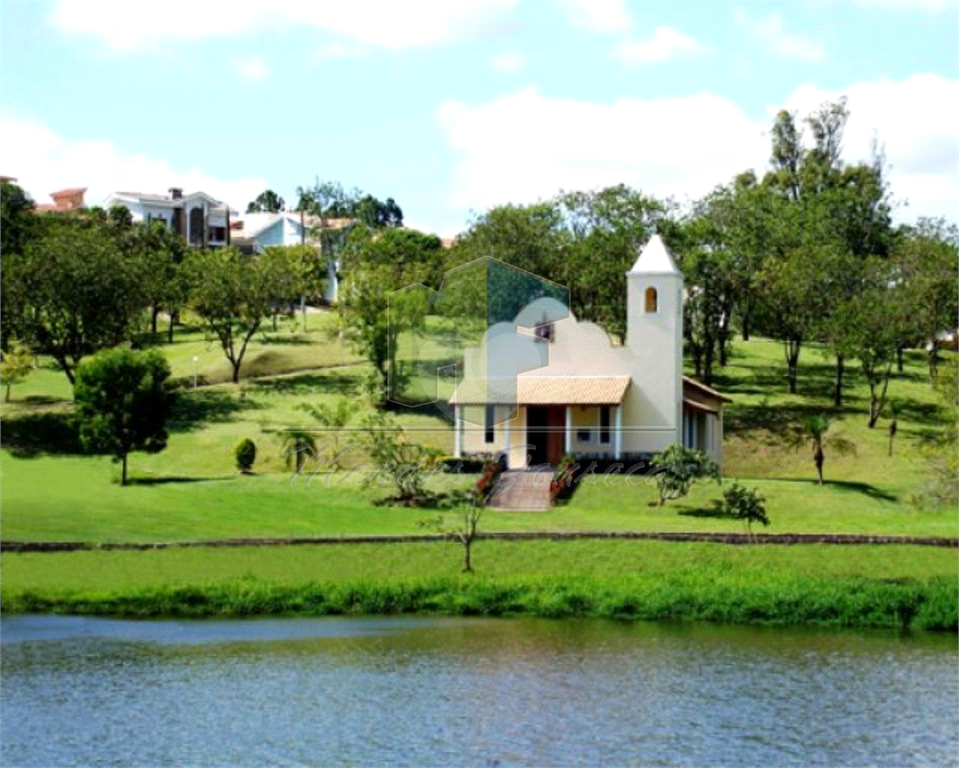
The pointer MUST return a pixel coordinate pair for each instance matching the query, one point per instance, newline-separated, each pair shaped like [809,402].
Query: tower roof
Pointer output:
[654,259]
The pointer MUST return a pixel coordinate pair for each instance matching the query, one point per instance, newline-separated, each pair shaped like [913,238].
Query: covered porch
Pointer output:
[547,418]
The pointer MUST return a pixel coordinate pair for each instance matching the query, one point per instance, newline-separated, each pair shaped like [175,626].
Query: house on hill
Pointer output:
[586,396]
[64,200]
[200,219]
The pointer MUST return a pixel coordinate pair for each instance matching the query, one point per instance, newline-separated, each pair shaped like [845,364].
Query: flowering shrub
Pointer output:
[484,486]
[563,477]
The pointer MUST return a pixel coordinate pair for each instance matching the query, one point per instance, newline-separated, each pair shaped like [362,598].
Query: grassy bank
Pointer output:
[815,584]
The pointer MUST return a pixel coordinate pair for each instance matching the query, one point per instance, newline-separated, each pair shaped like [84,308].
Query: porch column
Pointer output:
[506,435]
[618,434]
[569,429]
[458,431]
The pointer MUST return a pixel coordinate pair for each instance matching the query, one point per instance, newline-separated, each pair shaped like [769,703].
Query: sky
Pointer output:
[454,107]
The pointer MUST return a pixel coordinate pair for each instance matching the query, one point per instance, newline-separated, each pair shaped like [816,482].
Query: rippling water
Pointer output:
[469,692]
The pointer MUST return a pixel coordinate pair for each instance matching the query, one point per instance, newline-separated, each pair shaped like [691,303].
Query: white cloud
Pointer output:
[665,43]
[507,62]
[601,15]
[252,68]
[773,37]
[128,27]
[44,161]
[341,51]
[526,146]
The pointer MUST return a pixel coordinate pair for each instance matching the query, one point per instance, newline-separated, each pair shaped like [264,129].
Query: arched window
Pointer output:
[651,299]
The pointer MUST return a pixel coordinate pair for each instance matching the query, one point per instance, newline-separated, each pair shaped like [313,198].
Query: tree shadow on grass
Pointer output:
[307,384]
[844,485]
[35,434]
[715,511]
[195,408]
[293,341]
[151,481]
[781,422]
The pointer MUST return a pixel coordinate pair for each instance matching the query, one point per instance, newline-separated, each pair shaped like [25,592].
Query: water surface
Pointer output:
[425,691]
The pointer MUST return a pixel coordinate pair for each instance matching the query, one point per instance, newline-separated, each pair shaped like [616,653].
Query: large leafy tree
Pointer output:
[375,308]
[74,291]
[122,403]
[232,293]
[266,202]
[605,228]
[159,252]
[926,279]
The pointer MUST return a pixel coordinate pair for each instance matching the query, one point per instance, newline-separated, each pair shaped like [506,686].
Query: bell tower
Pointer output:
[654,337]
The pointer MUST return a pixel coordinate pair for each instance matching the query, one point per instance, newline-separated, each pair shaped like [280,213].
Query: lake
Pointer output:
[450,692]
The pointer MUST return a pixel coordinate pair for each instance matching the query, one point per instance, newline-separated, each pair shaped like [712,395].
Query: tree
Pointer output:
[122,403]
[160,251]
[874,343]
[229,290]
[744,504]
[926,277]
[15,364]
[677,468]
[76,291]
[378,302]
[266,202]
[602,231]
[403,463]
[16,218]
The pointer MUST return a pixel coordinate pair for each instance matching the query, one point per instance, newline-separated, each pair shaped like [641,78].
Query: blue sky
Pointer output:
[454,107]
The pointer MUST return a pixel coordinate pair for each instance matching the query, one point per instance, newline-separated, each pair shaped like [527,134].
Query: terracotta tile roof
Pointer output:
[543,390]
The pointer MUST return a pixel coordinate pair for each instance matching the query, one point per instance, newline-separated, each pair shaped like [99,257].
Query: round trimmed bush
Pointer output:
[245,453]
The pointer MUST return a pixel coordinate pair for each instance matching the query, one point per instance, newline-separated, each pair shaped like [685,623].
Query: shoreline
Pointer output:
[854,602]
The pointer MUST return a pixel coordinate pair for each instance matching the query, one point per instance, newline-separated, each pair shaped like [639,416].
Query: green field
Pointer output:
[50,491]
[815,584]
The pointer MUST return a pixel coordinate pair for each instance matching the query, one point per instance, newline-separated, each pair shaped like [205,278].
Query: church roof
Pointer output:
[543,390]
[654,259]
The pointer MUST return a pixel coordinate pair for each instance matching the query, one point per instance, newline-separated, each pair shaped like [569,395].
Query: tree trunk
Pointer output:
[467,555]
[837,393]
[746,326]
[154,311]
[934,358]
[899,361]
[7,398]
[236,372]
[792,348]
[123,472]
[819,458]
[170,330]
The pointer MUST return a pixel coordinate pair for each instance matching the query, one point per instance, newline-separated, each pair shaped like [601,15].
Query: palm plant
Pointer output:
[815,428]
[297,446]
[333,418]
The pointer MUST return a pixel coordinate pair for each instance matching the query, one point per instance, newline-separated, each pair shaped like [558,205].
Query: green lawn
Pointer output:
[191,490]
[93,570]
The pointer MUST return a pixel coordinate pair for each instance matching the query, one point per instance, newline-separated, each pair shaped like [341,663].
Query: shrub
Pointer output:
[745,504]
[245,453]
[677,468]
